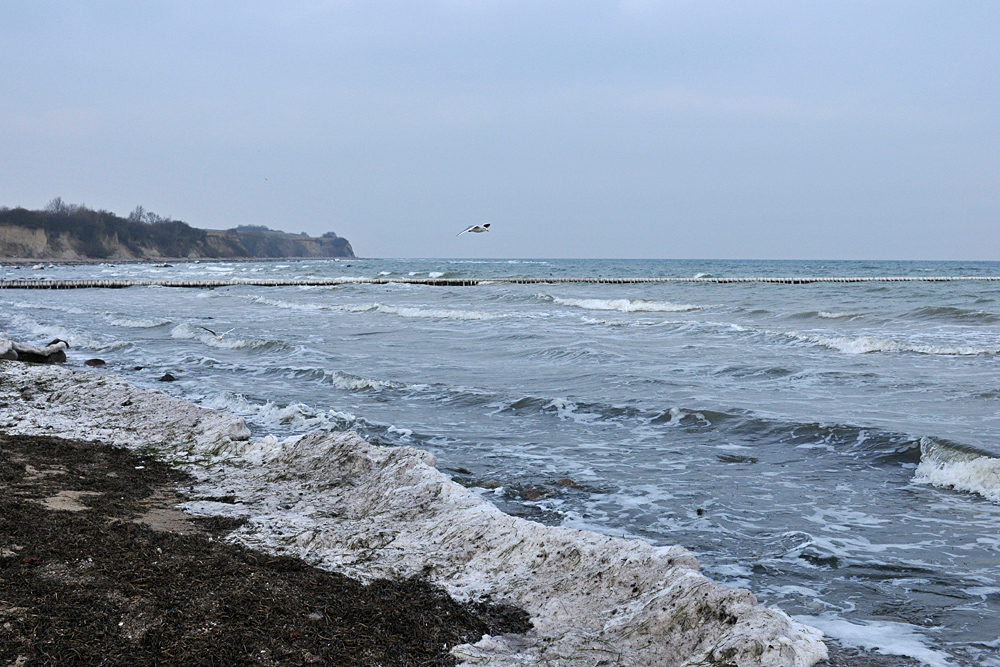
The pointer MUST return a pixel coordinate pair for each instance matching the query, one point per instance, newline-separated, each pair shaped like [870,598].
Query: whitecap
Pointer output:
[136,324]
[626,305]
[868,344]
[566,409]
[289,305]
[836,316]
[297,416]
[958,468]
[71,310]
[350,382]
[190,331]
[438,313]
[76,339]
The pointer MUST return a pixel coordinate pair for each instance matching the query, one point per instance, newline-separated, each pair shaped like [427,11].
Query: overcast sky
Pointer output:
[673,129]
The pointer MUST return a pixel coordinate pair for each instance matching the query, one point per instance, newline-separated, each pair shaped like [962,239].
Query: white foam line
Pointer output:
[372,511]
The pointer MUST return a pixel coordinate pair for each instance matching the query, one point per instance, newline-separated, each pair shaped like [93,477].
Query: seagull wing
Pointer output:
[208,330]
[467,229]
[226,332]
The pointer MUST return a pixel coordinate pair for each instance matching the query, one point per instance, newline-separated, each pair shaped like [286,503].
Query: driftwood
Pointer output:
[54,352]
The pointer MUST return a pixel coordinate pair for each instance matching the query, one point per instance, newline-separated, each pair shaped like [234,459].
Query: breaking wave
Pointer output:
[288,305]
[387,309]
[136,324]
[836,316]
[71,310]
[953,314]
[195,332]
[296,416]
[624,305]
[959,467]
[868,344]
[438,313]
[75,339]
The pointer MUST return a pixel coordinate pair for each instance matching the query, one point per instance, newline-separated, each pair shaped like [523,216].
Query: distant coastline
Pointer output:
[63,232]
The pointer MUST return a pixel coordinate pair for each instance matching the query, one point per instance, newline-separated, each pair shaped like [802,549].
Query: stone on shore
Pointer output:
[54,352]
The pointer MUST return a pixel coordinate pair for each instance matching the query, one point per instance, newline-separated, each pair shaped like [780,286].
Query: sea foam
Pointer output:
[885,637]
[372,511]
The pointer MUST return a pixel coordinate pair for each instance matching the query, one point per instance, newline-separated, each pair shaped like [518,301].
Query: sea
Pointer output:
[834,447]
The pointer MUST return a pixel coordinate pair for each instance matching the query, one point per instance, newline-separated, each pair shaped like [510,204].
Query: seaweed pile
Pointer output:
[89,575]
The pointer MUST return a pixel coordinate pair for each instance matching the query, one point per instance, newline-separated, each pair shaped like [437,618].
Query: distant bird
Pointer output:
[478,229]
[218,336]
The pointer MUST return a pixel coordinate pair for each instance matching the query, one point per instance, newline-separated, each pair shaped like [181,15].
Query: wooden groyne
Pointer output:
[458,282]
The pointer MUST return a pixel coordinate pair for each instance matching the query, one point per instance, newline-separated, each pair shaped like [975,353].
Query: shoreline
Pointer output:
[51,400]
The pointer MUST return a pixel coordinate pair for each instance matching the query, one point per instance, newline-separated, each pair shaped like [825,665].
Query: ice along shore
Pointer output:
[371,512]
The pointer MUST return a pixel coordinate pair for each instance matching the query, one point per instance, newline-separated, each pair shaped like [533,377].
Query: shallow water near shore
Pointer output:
[831,447]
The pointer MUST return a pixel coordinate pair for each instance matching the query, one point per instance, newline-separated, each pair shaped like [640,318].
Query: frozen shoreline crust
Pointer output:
[369,511]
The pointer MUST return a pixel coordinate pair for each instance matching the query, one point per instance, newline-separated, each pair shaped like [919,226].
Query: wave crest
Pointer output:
[626,305]
[195,332]
[961,468]
[867,344]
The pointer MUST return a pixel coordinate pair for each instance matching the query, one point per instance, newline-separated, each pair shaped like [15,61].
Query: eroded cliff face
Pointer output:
[25,243]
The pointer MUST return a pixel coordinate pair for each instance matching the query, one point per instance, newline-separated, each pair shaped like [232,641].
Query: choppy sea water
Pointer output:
[832,447]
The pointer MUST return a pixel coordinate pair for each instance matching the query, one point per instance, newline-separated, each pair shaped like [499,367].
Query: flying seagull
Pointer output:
[478,229]
[218,336]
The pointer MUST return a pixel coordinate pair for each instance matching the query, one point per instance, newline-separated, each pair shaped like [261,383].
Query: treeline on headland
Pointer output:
[70,232]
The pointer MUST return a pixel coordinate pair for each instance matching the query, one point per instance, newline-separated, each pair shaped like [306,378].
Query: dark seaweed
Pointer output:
[95,587]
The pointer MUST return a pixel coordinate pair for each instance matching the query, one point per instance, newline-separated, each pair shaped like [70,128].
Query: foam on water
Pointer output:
[371,511]
[624,305]
[959,468]
[882,637]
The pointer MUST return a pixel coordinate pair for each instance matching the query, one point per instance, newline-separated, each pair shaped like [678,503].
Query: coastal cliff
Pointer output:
[65,232]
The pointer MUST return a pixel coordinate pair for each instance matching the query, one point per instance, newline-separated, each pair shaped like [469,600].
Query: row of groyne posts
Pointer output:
[456,282]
